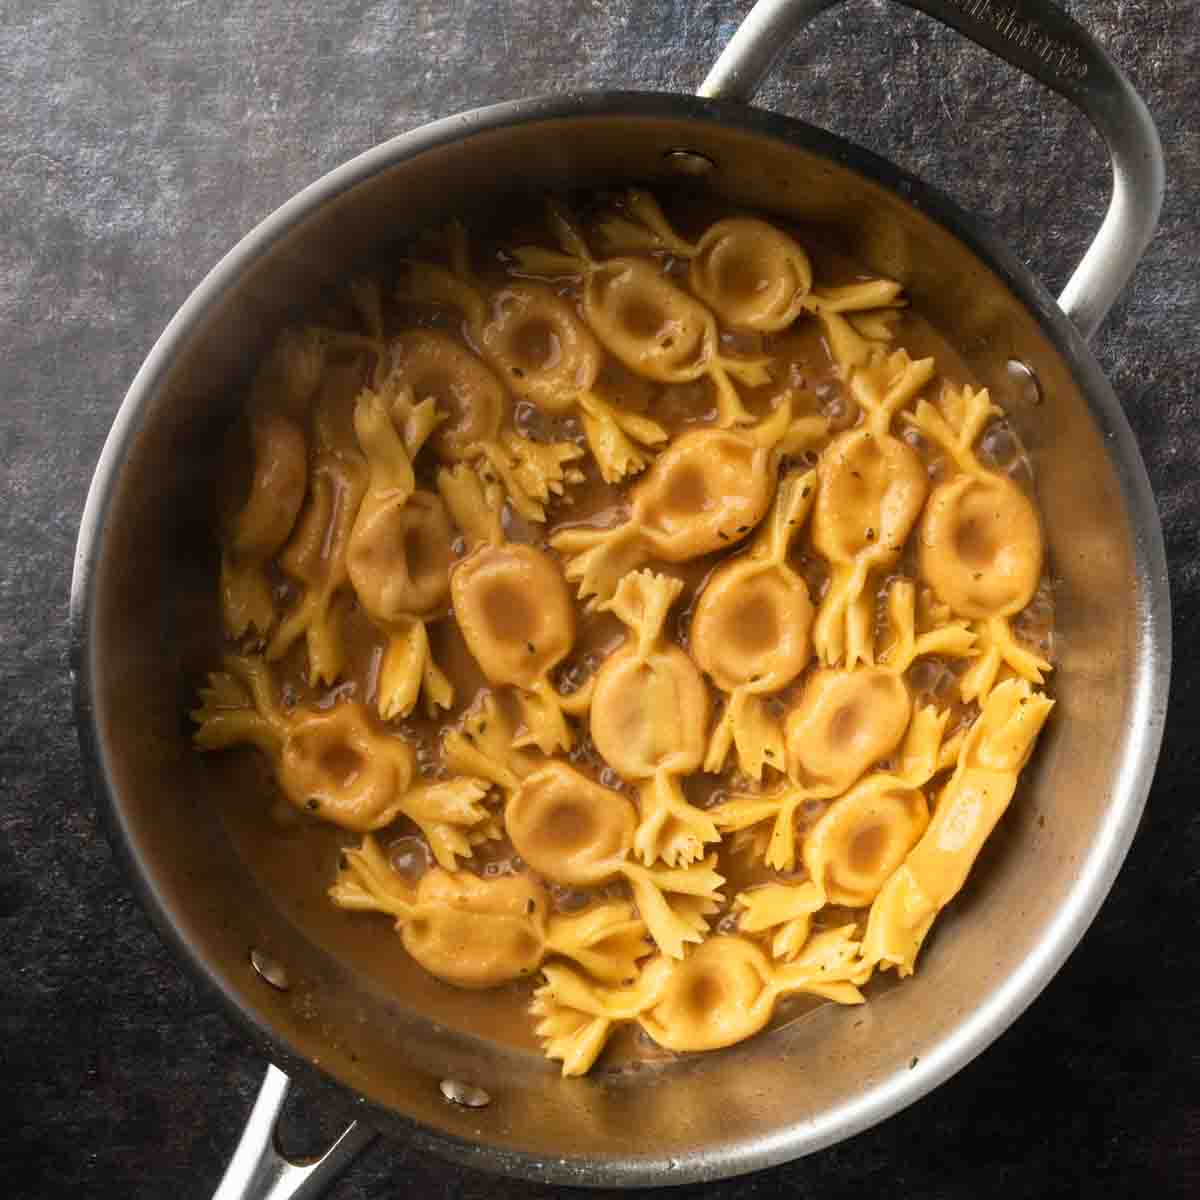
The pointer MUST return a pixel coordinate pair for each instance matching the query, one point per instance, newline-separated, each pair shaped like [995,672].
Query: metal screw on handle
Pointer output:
[258,1171]
[1043,41]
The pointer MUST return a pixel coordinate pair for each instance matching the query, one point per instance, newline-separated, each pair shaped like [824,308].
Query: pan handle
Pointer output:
[1043,41]
[258,1171]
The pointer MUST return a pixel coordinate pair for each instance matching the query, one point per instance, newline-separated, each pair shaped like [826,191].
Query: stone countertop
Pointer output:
[139,141]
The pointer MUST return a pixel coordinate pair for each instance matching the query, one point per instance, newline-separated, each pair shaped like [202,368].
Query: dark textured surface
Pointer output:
[139,141]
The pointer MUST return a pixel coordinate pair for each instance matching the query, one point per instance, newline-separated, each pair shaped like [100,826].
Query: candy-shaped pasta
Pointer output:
[992,755]
[575,1018]
[476,932]
[863,837]
[333,764]
[576,832]
[751,274]
[544,352]
[315,556]
[284,385]
[918,747]
[261,526]
[399,555]
[750,632]
[845,721]
[980,540]
[654,327]
[870,493]
[724,992]
[579,833]
[513,610]
[649,720]
[477,415]
[705,492]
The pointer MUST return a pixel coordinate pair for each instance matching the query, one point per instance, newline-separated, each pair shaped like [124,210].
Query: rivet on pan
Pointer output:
[1024,381]
[688,162]
[465,1094]
[270,969]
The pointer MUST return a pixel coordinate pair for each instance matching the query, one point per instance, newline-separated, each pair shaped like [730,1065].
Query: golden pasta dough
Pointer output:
[547,356]
[981,546]
[750,632]
[647,321]
[707,491]
[476,932]
[752,275]
[573,831]
[980,540]
[398,556]
[261,527]
[315,555]
[871,489]
[513,609]
[638,609]
[649,717]
[844,722]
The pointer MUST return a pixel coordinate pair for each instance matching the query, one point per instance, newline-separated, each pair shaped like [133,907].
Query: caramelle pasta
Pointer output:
[631,606]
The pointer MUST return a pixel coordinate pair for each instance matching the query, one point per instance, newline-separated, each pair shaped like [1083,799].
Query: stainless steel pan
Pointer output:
[143,581]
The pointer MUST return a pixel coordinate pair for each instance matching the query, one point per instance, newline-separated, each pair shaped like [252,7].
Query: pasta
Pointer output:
[655,630]
[751,274]
[333,764]
[654,327]
[844,721]
[398,556]
[750,632]
[475,407]
[976,796]
[648,716]
[980,541]
[315,556]
[723,993]
[513,608]
[707,491]
[871,489]
[545,352]
[260,528]
[573,831]
[478,933]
